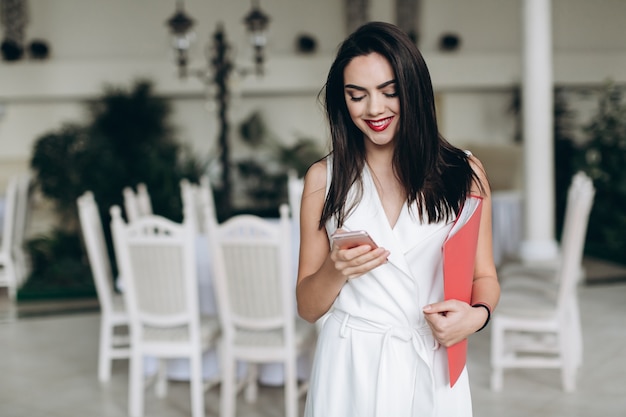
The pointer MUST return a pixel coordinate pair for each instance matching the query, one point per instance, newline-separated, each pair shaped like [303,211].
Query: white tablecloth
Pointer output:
[2,205]
[178,369]
[507,221]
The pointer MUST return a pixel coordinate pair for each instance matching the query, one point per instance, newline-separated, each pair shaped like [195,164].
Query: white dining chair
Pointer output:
[256,304]
[156,256]
[14,266]
[114,337]
[22,214]
[537,321]
[8,267]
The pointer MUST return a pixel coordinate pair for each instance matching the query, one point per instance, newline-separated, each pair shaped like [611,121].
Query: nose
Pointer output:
[376,105]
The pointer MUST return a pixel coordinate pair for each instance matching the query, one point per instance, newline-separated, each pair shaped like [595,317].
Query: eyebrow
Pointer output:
[379,87]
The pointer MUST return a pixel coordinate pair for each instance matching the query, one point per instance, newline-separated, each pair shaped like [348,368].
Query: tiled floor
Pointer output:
[48,368]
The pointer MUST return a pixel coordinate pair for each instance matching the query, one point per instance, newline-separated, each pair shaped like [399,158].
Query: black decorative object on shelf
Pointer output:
[11,50]
[13,20]
[306,44]
[449,42]
[39,49]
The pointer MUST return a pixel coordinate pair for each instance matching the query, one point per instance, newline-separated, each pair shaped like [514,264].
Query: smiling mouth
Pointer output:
[379,125]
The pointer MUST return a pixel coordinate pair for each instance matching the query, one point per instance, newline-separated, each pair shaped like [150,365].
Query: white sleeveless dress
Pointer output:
[376,355]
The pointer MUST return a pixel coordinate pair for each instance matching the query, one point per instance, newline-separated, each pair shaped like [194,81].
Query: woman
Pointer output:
[382,346]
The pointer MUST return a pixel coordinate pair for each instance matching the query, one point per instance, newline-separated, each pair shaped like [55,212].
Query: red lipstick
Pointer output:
[379,125]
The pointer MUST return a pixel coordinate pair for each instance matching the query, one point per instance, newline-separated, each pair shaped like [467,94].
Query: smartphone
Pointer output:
[349,240]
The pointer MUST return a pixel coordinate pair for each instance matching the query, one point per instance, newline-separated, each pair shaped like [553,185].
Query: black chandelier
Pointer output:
[216,76]
[180,25]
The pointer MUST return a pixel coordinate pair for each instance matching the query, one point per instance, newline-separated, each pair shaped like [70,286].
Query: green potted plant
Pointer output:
[603,157]
[128,138]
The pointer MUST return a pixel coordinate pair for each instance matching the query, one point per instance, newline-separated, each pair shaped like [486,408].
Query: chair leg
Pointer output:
[160,387]
[9,268]
[291,388]
[196,385]
[20,268]
[569,339]
[569,353]
[228,390]
[104,354]
[568,379]
[577,337]
[308,356]
[496,379]
[136,386]
[251,390]
[497,352]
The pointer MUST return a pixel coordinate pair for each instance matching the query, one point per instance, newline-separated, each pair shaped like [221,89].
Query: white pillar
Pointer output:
[538,120]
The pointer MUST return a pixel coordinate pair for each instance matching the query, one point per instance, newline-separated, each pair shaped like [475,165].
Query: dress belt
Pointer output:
[423,376]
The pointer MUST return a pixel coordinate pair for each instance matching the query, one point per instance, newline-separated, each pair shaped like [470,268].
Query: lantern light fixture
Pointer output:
[256,21]
[181,25]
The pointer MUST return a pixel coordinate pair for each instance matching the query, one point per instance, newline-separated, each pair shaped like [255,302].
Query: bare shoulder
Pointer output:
[315,178]
[479,169]
[312,203]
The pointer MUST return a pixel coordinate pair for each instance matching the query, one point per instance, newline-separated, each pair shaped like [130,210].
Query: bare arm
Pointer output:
[453,320]
[322,272]
[486,288]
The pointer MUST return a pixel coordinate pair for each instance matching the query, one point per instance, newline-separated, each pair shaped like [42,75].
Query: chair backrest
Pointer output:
[189,198]
[156,257]
[97,253]
[195,198]
[137,204]
[143,200]
[206,200]
[131,205]
[251,259]
[10,209]
[579,202]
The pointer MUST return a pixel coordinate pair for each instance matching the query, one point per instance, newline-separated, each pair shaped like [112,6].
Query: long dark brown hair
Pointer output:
[435,175]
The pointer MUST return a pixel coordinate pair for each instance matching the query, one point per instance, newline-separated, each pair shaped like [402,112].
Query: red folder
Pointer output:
[459,254]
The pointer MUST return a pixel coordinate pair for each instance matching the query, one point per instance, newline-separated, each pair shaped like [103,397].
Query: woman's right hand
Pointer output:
[323,269]
[354,262]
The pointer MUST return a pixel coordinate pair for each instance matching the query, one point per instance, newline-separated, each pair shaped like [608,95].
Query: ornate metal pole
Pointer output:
[222,68]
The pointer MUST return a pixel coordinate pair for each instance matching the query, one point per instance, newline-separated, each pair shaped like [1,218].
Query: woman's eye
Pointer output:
[391,95]
[356,99]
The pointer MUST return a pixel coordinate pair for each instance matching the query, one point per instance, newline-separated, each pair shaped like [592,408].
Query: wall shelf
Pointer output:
[288,75]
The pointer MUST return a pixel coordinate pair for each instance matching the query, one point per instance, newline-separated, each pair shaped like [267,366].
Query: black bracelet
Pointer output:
[486,307]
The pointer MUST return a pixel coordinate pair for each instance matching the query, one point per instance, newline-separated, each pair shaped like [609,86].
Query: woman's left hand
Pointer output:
[453,320]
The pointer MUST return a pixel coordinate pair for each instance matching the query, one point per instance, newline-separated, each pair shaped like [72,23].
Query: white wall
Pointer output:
[115,41]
